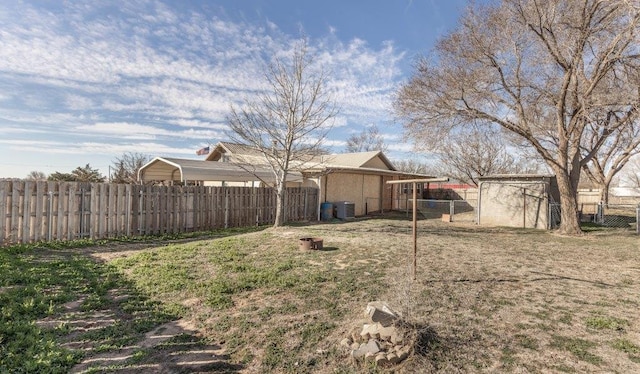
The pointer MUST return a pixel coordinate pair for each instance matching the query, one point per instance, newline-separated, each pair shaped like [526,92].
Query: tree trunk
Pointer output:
[569,214]
[280,198]
[604,192]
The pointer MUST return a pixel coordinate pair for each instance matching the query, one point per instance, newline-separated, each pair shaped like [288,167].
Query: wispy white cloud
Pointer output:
[125,130]
[77,102]
[150,70]
[59,147]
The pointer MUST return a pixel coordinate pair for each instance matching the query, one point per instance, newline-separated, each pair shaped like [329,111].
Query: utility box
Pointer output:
[345,210]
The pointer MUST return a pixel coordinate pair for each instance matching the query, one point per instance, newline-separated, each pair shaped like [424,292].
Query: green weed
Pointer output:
[578,347]
[527,342]
[605,322]
[626,346]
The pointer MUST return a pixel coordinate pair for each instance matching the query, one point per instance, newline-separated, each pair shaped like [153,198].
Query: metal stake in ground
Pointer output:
[414,205]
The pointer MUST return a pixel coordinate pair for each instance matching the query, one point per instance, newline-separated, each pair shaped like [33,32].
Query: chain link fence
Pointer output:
[606,215]
[617,215]
[448,210]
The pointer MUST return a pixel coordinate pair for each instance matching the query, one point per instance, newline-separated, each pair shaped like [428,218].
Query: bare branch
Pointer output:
[287,123]
[541,69]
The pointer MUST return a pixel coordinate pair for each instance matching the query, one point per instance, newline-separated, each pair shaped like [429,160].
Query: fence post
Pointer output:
[638,219]
[81,210]
[304,216]
[600,213]
[141,217]
[50,214]
[226,208]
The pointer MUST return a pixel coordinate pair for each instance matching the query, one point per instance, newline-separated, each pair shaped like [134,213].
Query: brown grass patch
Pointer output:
[485,299]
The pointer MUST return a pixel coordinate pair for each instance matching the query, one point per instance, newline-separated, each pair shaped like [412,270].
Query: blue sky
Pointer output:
[85,81]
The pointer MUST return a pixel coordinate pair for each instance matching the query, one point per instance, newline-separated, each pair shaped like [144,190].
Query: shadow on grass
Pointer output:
[427,340]
[549,277]
[63,312]
[436,352]
[152,241]
[329,249]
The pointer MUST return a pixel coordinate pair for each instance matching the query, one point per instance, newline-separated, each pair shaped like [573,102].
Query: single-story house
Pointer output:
[359,178]
[517,200]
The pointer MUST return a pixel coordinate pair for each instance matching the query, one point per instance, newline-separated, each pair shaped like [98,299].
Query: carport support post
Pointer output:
[415,229]
[415,212]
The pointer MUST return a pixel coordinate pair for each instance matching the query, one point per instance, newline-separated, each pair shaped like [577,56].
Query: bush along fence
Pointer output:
[46,211]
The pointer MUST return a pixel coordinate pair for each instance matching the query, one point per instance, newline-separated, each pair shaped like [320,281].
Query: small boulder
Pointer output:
[393,358]
[386,333]
[371,347]
[381,359]
[370,331]
[380,312]
[403,352]
[397,338]
[346,342]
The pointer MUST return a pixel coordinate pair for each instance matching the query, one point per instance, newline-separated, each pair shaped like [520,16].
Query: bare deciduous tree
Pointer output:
[369,139]
[414,167]
[125,167]
[287,123]
[613,154]
[630,176]
[468,155]
[538,68]
[37,176]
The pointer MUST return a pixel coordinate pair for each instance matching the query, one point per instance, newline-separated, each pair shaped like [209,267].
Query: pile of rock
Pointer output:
[381,340]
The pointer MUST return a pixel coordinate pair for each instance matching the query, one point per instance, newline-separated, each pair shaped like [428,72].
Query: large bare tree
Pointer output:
[369,139]
[613,154]
[415,167]
[287,123]
[539,69]
[36,175]
[125,167]
[468,155]
[631,175]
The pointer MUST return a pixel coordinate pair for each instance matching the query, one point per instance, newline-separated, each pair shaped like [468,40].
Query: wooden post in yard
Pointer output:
[415,182]
[415,229]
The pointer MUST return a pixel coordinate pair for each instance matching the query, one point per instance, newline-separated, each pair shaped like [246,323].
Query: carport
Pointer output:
[185,170]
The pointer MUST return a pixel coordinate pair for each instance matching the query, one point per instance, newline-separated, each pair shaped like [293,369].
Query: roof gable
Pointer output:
[373,160]
[370,160]
[231,149]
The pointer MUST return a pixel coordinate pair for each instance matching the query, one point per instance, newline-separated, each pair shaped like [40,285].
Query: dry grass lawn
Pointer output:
[485,299]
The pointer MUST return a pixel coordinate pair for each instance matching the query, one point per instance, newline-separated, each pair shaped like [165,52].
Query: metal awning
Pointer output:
[181,170]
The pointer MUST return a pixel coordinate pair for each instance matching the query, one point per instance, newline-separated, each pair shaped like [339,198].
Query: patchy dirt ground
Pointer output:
[484,300]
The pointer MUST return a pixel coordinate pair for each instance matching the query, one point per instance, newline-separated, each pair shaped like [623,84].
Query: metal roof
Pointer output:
[516,176]
[232,149]
[372,159]
[181,170]
[357,160]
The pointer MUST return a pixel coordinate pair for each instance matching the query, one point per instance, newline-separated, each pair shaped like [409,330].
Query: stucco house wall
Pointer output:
[358,177]
[364,190]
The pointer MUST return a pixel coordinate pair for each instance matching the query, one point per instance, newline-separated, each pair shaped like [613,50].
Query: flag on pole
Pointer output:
[203,151]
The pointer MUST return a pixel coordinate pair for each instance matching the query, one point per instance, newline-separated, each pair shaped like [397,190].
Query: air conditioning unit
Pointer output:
[345,210]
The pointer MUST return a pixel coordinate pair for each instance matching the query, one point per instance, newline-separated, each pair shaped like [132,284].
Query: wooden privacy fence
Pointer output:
[45,211]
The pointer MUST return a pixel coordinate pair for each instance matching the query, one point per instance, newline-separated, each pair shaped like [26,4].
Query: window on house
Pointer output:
[407,188]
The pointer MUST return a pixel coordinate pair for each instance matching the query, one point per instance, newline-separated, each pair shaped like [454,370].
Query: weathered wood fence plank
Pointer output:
[45,211]
[3,211]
